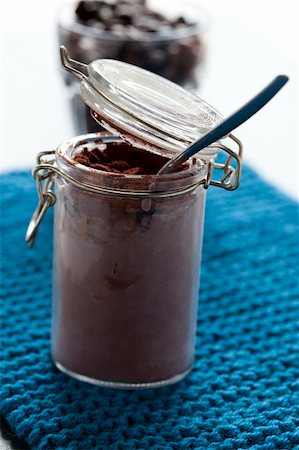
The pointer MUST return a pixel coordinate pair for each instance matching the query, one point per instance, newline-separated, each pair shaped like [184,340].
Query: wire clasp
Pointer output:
[71,65]
[43,174]
[231,168]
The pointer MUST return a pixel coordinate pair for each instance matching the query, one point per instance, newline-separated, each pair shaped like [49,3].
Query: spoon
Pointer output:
[227,125]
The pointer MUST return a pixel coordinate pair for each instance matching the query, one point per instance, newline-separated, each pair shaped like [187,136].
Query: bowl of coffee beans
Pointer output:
[169,41]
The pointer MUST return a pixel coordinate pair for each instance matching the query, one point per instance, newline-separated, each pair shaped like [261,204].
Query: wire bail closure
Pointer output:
[231,175]
[71,65]
[44,178]
[45,171]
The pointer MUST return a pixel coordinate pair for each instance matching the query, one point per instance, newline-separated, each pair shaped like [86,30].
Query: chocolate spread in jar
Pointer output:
[127,270]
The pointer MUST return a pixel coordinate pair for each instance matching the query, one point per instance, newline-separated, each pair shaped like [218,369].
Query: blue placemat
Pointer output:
[243,391]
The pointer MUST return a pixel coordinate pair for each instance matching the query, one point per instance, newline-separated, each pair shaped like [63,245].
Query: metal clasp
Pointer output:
[231,174]
[45,171]
[43,174]
[71,65]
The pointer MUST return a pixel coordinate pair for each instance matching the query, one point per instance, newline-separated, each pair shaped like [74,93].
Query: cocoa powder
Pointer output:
[122,158]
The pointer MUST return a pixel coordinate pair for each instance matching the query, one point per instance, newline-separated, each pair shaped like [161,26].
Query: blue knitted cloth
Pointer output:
[243,391]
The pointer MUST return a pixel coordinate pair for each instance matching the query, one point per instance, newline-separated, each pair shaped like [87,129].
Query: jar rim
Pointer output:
[194,175]
[66,20]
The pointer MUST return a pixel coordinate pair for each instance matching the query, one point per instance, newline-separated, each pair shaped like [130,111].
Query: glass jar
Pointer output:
[126,272]
[128,247]
[177,54]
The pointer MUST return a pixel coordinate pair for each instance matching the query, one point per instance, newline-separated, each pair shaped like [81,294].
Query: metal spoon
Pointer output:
[229,124]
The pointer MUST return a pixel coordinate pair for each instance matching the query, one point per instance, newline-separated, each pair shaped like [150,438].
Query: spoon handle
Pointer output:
[229,124]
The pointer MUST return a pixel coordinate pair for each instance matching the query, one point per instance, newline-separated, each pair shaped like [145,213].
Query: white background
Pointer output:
[250,43]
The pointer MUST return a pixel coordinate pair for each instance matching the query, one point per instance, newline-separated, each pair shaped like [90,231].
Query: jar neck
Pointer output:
[120,183]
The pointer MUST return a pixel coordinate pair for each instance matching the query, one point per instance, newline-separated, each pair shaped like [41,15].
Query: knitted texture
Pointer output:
[243,391]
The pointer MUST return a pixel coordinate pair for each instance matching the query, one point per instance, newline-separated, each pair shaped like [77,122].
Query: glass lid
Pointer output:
[146,109]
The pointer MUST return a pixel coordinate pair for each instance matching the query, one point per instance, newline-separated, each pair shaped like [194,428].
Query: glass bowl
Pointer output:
[177,54]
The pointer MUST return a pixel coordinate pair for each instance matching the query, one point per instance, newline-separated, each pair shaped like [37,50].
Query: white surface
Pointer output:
[250,42]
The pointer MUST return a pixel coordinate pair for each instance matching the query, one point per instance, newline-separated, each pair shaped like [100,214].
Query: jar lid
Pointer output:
[146,109]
